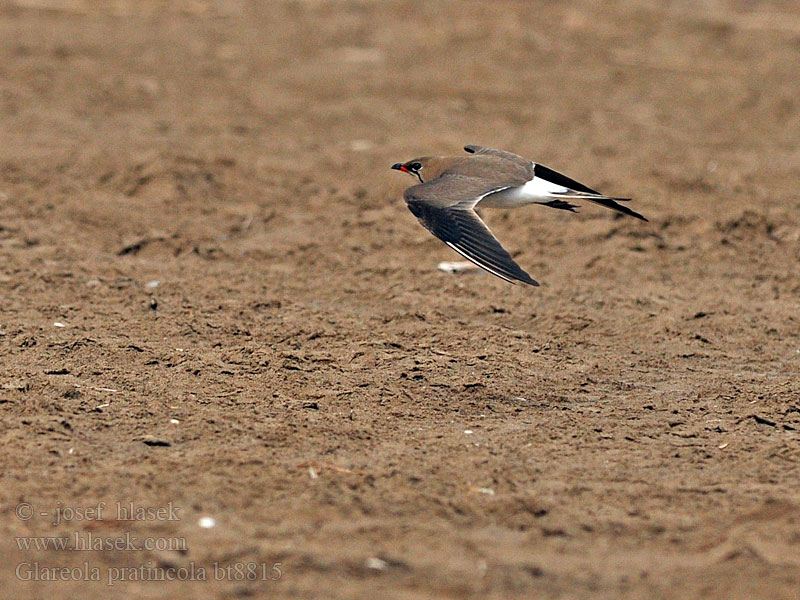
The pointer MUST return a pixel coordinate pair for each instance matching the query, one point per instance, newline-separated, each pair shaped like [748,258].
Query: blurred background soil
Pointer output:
[213,296]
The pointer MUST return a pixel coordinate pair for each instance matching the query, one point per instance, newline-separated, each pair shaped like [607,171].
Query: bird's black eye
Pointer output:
[415,166]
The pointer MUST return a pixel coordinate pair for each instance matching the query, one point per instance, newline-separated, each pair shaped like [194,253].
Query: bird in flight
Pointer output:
[451,188]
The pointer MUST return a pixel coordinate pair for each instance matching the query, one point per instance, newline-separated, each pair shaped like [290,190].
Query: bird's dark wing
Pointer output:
[576,190]
[445,207]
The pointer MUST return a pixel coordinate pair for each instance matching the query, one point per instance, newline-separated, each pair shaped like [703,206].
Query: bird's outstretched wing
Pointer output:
[445,207]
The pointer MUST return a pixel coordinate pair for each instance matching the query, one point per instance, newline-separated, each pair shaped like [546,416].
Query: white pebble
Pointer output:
[456,267]
[376,563]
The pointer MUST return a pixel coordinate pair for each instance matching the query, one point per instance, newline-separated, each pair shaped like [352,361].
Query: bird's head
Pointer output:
[415,167]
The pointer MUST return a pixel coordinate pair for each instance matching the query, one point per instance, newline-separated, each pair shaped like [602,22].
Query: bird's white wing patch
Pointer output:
[535,190]
[538,188]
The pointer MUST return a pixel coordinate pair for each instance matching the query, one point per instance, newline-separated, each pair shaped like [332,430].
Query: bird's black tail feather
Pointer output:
[613,204]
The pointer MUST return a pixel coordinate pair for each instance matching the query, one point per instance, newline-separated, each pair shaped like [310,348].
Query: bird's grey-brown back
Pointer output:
[496,170]
[499,168]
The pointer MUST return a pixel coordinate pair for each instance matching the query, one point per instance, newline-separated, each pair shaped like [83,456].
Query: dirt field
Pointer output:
[216,304]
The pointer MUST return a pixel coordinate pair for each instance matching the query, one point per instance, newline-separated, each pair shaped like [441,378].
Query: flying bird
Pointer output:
[451,188]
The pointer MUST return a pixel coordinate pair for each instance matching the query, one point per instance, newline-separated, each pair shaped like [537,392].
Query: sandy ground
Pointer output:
[215,303]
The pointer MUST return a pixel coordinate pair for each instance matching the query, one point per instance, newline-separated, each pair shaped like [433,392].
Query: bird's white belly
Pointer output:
[535,190]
